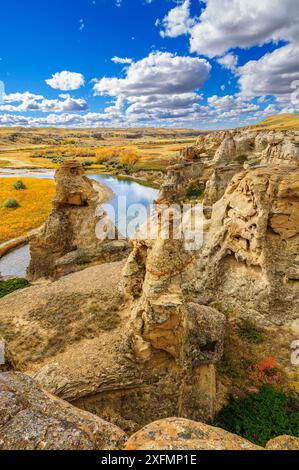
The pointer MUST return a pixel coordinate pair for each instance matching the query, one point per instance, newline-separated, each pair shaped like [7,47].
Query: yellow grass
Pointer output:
[280,122]
[35,205]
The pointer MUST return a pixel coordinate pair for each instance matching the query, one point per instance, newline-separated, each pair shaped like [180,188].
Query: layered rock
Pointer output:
[69,240]
[218,182]
[180,177]
[250,257]
[283,443]
[183,434]
[32,419]
[148,352]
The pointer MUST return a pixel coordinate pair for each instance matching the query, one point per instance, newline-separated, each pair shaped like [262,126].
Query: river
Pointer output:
[131,192]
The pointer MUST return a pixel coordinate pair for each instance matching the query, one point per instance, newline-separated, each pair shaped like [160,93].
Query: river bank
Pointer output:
[110,187]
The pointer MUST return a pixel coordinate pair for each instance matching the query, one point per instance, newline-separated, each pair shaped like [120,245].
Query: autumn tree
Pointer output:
[129,157]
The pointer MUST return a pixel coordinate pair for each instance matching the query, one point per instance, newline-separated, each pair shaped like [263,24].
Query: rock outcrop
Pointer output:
[148,352]
[32,419]
[179,179]
[69,240]
[283,443]
[250,257]
[182,434]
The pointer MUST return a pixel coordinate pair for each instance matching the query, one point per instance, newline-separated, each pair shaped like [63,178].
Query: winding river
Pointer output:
[15,263]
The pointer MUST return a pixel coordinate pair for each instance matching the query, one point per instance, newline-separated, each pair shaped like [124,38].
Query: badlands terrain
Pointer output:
[144,343]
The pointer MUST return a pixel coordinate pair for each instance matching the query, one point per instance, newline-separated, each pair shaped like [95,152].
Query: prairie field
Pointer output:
[153,149]
[34,206]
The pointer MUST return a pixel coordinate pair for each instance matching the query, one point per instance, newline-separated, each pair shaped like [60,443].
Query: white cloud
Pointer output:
[122,60]
[81,24]
[159,73]
[24,102]
[273,74]
[178,21]
[233,104]
[160,84]
[66,80]
[226,24]
[229,61]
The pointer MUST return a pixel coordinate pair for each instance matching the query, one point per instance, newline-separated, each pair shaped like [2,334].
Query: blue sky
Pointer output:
[211,64]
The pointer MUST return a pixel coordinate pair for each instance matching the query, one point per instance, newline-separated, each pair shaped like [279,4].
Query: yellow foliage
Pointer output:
[35,206]
[105,153]
[129,156]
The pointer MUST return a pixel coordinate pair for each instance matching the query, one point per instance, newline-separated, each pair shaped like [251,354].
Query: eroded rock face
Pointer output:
[182,434]
[180,177]
[148,352]
[32,419]
[250,257]
[69,239]
[283,443]
[218,182]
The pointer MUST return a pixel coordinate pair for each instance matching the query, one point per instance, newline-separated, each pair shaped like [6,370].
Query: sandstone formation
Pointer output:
[182,434]
[32,419]
[131,357]
[283,443]
[69,239]
[250,257]
[222,154]
[180,177]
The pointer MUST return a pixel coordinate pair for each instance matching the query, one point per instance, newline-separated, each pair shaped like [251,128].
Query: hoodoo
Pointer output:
[69,241]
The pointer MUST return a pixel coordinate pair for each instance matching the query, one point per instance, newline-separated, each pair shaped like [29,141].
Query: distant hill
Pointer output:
[279,121]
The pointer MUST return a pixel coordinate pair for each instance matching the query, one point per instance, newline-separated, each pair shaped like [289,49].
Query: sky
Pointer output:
[148,63]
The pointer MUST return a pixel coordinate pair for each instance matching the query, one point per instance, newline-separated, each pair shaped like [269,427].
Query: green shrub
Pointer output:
[6,287]
[87,163]
[249,332]
[19,185]
[260,416]
[11,204]
[194,192]
[241,158]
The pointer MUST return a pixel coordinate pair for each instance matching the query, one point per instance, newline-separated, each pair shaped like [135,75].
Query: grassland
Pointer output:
[34,206]
[279,122]
[46,148]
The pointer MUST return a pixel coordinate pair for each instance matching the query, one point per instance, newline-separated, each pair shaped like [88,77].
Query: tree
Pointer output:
[129,157]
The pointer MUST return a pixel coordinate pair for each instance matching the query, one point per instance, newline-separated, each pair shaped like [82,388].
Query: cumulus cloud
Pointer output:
[160,84]
[66,80]
[229,61]
[177,21]
[273,74]
[233,104]
[226,24]
[121,60]
[24,102]
[159,73]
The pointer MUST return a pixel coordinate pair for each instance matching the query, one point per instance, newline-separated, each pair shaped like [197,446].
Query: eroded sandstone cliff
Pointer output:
[69,241]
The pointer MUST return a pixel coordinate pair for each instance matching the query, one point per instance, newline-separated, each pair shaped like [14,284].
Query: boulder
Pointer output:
[33,419]
[283,443]
[183,434]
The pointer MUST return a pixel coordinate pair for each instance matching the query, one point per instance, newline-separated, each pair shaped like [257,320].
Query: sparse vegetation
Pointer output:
[249,332]
[19,185]
[34,206]
[241,158]
[261,416]
[11,203]
[6,287]
[195,192]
